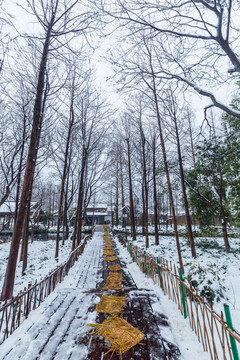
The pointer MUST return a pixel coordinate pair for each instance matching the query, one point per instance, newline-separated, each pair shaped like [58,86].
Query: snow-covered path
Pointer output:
[50,331]
[58,328]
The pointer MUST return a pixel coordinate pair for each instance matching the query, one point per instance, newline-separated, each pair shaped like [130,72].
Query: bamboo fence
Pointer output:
[13,311]
[210,328]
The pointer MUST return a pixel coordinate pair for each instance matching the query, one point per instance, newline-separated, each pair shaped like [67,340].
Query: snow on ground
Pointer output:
[179,331]
[50,332]
[41,261]
[213,268]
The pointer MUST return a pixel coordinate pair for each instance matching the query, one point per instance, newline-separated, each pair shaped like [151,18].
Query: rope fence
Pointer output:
[216,335]
[13,311]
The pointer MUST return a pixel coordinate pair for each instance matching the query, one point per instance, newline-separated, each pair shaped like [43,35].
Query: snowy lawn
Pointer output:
[215,273]
[41,261]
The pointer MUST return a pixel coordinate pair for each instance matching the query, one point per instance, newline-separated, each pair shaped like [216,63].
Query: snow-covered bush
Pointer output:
[208,280]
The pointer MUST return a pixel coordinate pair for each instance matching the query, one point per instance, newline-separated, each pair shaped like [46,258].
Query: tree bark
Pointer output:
[132,217]
[223,216]
[185,199]
[155,193]
[117,182]
[166,170]
[64,174]
[25,238]
[78,220]
[65,211]
[49,206]
[20,167]
[122,194]
[143,211]
[145,181]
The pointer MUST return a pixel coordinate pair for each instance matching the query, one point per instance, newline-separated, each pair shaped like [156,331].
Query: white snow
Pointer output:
[41,261]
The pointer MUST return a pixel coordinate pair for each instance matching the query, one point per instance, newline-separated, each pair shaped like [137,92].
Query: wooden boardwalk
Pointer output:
[138,312]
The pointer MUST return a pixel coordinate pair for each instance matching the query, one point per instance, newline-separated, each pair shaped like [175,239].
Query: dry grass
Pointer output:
[109,252]
[111,258]
[108,247]
[122,335]
[111,304]
[113,281]
[115,276]
[115,267]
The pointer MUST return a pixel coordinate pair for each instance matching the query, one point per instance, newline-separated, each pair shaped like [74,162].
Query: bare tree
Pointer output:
[195,40]
[172,109]
[93,112]
[140,69]
[75,84]
[128,136]
[154,171]
[143,149]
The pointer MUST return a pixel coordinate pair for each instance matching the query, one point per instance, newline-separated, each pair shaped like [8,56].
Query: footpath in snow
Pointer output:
[58,328]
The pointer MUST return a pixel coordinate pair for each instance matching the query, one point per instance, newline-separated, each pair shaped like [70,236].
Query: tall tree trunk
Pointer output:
[81,193]
[132,217]
[145,181]
[155,193]
[8,285]
[143,210]
[225,235]
[166,169]
[223,216]
[191,137]
[185,199]
[49,206]
[25,238]
[20,167]
[53,207]
[25,233]
[117,182]
[112,212]
[122,195]
[65,211]
[78,220]
[146,217]
[64,174]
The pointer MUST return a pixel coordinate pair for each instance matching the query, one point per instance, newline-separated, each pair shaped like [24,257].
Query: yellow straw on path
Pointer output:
[122,335]
[111,304]
[108,252]
[111,258]
[114,267]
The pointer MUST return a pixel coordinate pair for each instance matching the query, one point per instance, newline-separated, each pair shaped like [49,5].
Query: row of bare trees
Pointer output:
[53,120]
[165,52]
[147,141]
